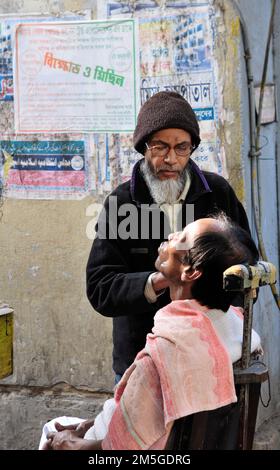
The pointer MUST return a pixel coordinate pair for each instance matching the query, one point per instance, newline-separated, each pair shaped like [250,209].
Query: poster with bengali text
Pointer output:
[7,26]
[80,76]
[45,169]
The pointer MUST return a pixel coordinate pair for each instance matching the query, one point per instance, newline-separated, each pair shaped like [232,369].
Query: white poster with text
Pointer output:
[78,76]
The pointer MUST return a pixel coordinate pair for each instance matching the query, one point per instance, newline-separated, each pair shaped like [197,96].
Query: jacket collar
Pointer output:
[199,184]
[140,192]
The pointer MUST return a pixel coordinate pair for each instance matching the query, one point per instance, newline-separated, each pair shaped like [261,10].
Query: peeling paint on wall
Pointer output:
[228,63]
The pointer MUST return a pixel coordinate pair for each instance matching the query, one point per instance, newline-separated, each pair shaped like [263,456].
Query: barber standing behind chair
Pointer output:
[121,278]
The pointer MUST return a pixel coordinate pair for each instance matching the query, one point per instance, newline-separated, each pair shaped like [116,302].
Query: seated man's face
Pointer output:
[170,256]
[172,252]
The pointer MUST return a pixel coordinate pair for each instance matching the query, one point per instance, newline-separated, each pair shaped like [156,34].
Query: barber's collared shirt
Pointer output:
[171,211]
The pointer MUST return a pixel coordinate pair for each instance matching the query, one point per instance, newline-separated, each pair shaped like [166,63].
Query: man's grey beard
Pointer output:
[164,191]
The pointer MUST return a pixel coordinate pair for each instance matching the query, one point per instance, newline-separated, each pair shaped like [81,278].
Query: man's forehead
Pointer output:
[174,133]
[200,226]
[196,229]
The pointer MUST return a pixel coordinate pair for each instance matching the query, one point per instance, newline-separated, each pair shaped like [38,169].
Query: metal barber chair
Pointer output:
[231,427]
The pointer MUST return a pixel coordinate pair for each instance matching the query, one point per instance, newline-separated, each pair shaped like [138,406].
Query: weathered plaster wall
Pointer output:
[276,42]
[58,339]
[44,251]
[228,64]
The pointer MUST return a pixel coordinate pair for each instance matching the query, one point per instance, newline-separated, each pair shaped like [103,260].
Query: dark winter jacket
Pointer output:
[118,269]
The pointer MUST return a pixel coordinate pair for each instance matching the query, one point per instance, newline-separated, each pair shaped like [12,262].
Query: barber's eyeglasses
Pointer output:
[162,150]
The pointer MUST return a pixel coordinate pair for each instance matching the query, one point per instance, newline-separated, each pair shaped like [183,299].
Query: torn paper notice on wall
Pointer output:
[114,158]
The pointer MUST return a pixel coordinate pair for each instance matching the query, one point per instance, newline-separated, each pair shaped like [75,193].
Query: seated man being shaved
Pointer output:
[186,364]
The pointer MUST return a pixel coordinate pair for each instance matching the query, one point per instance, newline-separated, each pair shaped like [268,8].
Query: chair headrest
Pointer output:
[242,276]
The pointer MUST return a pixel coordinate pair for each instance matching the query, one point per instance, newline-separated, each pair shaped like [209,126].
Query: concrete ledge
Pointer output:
[267,436]
[24,412]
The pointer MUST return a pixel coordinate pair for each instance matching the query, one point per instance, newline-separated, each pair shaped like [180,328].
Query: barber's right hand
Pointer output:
[159,282]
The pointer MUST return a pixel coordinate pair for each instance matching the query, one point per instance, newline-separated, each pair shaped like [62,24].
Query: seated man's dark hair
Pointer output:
[213,253]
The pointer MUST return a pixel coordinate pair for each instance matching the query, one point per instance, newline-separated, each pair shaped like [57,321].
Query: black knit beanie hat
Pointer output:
[164,110]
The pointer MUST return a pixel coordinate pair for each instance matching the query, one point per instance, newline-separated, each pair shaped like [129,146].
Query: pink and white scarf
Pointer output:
[184,368]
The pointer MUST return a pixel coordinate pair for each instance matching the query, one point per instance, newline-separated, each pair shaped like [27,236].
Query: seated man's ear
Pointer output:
[190,275]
